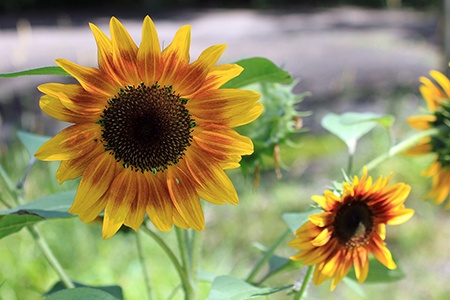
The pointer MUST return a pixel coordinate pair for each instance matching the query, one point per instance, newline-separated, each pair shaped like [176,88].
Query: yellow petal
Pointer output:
[124,52]
[95,182]
[188,79]
[149,53]
[218,76]
[381,252]
[74,168]
[442,80]
[91,79]
[322,219]
[71,142]
[214,184]
[225,106]
[159,204]
[221,142]
[176,56]
[184,198]
[322,238]
[54,108]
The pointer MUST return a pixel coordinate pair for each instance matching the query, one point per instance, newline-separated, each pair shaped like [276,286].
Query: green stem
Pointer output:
[9,189]
[266,257]
[144,266]
[189,285]
[401,147]
[51,258]
[184,278]
[299,295]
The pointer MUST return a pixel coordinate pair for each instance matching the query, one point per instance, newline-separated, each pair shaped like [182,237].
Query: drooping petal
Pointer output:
[91,79]
[121,198]
[95,182]
[184,198]
[74,168]
[159,204]
[214,185]
[70,143]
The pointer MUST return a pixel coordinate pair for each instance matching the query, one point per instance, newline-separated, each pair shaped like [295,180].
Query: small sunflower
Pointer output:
[352,226]
[438,102]
[152,132]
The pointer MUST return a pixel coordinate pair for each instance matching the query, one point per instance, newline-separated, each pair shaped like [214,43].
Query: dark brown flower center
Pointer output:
[353,224]
[147,128]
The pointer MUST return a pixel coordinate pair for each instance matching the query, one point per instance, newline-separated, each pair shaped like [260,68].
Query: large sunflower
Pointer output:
[152,132]
[438,102]
[352,226]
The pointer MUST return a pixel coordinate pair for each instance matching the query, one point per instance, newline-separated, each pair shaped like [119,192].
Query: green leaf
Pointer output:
[350,127]
[83,293]
[32,142]
[258,69]
[48,207]
[295,220]
[112,290]
[52,70]
[231,288]
[378,273]
[12,223]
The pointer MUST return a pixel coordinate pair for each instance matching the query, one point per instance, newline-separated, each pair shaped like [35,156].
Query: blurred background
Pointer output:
[350,55]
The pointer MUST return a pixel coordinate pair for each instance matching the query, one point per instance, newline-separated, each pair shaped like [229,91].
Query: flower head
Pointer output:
[352,225]
[152,132]
[437,97]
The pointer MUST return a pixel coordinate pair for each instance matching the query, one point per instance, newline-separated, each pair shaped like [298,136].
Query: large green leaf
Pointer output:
[258,69]
[12,223]
[59,289]
[231,288]
[81,293]
[52,70]
[351,126]
[52,206]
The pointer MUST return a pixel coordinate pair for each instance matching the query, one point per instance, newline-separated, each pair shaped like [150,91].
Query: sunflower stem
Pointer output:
[299,295]
[401,147]
[189,286]
[51,258]
[8,189]
[266,257]
[143,262]
[168,252]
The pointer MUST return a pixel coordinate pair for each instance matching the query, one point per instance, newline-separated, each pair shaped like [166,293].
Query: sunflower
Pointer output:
[437,97]
[352,225]
[152,132]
